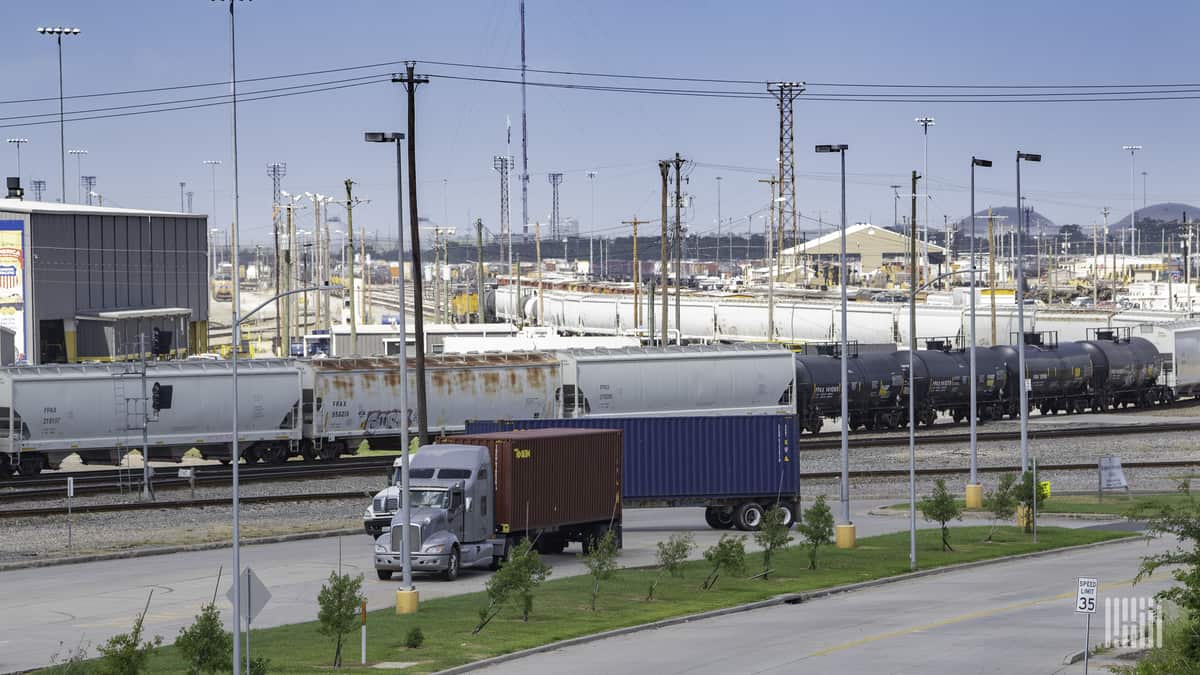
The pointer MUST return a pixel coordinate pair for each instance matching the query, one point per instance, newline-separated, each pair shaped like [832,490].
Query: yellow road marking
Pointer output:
[957,619]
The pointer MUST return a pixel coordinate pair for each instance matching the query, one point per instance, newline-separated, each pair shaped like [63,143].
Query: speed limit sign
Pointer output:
[1085,600]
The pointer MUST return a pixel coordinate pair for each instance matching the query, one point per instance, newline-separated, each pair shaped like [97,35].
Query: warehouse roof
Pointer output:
[858,230]
[27,206]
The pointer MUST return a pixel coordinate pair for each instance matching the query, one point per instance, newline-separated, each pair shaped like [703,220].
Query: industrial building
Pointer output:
[869,249]
[82,283]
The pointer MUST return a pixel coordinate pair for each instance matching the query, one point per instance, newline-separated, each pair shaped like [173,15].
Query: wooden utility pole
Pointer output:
[678,162]
[410,83]
[277,265]
[479,270]
[290,279]
[664,168]
[350,265]
[316,202]
[772,181]
[992,272]
[637,272]
[1095,268]
[537,239]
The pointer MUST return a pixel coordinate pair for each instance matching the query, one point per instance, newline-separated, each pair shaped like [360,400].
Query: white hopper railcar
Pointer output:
[95,410]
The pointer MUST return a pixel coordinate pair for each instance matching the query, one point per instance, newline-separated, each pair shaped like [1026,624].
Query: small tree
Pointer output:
[671,556]
[1182,522]
[1002,502]
[523,572]
[1025,494]
[817,528]
[941,507]
[126,654]
[772,535]
[206,645]
[339,599]
[729,554]
[415,638]
[601,560]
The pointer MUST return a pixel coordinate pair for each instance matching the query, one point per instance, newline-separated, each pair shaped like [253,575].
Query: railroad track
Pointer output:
[823,442]
[325,496]
[92,482]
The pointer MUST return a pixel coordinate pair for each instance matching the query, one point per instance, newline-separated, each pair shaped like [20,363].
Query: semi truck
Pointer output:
[473,497]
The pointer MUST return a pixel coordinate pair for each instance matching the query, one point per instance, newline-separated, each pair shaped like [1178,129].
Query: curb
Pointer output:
[1073,658]
[182,548]
[785,599]
[1098,517]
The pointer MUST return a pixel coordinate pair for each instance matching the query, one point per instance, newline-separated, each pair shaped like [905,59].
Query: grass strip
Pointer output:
[1114,504]
[561,605]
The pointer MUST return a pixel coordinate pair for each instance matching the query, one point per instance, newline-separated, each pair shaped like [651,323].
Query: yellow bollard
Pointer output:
[974,496]
[844,536]
[407,601]
[1023,514]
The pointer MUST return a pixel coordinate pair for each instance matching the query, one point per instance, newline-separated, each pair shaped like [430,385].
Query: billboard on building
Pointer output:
[12,281]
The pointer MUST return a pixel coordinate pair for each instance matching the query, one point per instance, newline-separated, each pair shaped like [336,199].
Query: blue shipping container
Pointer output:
[670,458]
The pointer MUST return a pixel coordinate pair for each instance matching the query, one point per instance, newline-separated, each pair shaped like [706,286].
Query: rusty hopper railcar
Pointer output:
[352,399]
[95,410]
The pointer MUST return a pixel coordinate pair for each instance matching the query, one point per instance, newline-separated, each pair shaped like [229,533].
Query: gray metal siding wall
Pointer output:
[88,263]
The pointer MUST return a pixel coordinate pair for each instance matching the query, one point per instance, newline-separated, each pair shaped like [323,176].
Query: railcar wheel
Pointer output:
[329,452]
[6,469]
[748,517]
[276,454]
[251,455]
[30,465]
[307,451]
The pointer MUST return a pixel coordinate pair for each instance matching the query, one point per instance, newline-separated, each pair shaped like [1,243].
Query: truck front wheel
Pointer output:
[384,575]
[451,571]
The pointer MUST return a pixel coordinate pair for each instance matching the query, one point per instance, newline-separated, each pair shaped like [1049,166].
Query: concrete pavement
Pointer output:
[1013,617]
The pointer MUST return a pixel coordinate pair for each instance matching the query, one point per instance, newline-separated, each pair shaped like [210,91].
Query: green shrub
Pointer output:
[415,638]
[817,528]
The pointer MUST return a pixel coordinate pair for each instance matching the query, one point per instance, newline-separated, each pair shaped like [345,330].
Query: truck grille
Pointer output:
[414,538]
[386,505]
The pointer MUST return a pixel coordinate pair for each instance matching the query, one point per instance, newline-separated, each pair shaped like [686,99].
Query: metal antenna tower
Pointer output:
[555,180]
[785,93]
[276,170]
[39,187]
[503,164]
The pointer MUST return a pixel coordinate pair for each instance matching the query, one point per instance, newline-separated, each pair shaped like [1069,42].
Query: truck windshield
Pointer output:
[434,499]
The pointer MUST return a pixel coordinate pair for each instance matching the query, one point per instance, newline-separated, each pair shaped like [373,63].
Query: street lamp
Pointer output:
[405,558]
[213,164]
[1132,197]
[17,142]
[974,494]
[58,32]
[78,174]
[1020,256]
[845,531]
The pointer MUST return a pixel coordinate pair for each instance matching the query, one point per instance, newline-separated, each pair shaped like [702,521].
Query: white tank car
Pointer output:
[352,399]
[50,412]
[690,380]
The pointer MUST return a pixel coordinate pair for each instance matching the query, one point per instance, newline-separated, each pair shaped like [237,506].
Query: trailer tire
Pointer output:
[748,517]
[451,571]
[383,575]
[789,513]
[718,517]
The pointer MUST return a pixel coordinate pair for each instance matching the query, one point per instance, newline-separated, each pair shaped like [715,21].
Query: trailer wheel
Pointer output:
[748,517]
[451,571]
[718,517]
[383,575]
[789,513]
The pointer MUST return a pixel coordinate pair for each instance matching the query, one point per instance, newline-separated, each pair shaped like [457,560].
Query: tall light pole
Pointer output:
[406,563]
[1132,196]
[235,455]
[845,531]
[212,164]
[925,123]
[58,32]
[719,228]
[78,174]
[1020,256]
[974,493]
[592,183]
[18,142]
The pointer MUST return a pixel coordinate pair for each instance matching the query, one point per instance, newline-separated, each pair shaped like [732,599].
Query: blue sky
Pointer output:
[139,160]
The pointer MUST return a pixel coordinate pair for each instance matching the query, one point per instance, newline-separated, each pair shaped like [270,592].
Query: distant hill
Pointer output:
[1010,216]
[1164,212]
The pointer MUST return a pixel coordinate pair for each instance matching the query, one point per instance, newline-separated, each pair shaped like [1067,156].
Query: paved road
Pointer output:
[93,601]
[1009,618]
